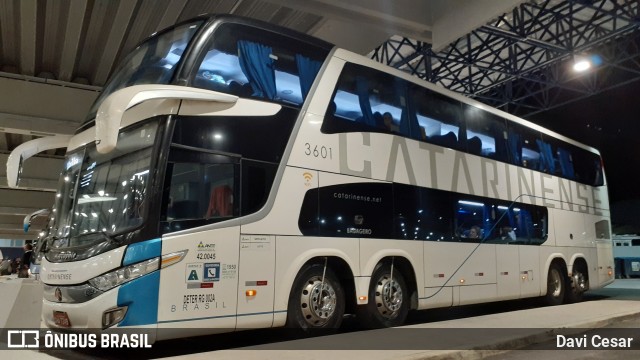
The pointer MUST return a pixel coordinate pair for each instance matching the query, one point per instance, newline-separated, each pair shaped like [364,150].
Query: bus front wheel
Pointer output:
[555,285]
[316,300]
[388,299]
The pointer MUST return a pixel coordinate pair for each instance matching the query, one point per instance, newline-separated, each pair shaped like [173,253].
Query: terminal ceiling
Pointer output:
[55,55]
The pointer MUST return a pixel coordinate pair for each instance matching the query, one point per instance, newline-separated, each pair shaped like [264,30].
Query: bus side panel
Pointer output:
[605,264]
[529,256]
[256,281]
[599,228]
[569,228]
[477,275]
[200,292]
[508,269]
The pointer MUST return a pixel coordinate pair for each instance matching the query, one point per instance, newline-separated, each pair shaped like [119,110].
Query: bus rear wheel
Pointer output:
[579,283]
[388,300]
[555,285]
[316,300]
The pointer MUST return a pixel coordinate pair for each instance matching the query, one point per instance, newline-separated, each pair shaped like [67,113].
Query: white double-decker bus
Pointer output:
[237,175]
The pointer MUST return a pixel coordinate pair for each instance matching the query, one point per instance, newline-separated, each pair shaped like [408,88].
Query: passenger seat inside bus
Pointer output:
[448,140]
[474,145]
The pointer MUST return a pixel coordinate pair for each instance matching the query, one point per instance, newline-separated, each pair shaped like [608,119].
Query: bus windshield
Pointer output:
[153,62]
[104,193]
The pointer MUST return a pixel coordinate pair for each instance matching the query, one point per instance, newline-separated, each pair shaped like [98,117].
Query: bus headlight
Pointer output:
[125,274]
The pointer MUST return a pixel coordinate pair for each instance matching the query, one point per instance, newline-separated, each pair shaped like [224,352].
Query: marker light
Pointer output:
[172,258]
[251,293]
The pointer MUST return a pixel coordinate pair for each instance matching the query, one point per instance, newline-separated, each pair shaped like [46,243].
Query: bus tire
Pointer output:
[578,283]
[314,304]
[555,285]
[388,299]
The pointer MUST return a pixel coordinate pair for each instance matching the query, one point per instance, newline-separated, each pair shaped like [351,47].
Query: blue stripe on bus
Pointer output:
[142,251]
[141,297]
[221,316]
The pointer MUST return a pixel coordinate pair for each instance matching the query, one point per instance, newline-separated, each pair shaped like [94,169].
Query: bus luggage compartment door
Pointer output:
[256,281]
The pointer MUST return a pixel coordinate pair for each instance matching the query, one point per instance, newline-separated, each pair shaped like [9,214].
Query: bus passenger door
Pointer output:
[256,281]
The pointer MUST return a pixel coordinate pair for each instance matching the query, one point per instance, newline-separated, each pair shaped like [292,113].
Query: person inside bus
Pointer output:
[507,233]
[387,119]
[474,232]
[220,202]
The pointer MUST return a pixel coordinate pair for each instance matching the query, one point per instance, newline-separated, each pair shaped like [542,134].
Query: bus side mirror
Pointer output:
[110,112]
[26,150]
[26,223]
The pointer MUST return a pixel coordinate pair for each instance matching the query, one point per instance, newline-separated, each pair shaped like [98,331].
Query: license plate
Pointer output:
[60,318]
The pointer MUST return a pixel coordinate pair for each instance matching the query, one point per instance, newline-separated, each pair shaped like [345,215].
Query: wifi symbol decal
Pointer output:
[307,178]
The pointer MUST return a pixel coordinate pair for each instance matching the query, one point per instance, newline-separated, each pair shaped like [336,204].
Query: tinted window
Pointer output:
[368,100]
[200,188]
[523,146]
[364,210]
[252,62]
[470,220]
[349,210]
[153,62]
[486,133]
[587,167]
[257,178]
[440,118]
[421,213]
[255,137]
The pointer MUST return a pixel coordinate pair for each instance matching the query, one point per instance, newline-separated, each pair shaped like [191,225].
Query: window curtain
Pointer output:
[526,224]
[257,66]
[488,213]
[307,71]
[514,146]
[547,162]
[566,166]
[408,119]
[362,89]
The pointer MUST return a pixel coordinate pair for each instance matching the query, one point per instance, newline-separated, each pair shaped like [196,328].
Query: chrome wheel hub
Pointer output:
[580,282]
[317,302]
[389,297]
